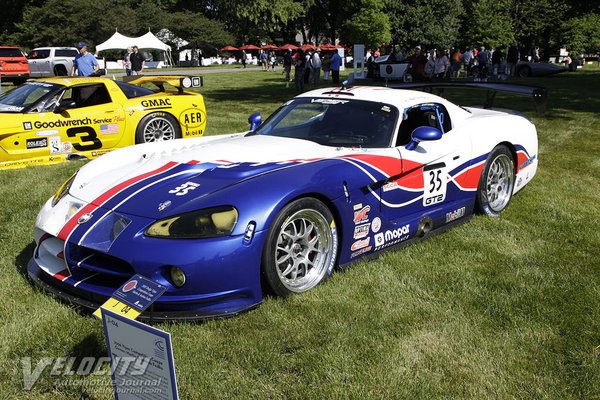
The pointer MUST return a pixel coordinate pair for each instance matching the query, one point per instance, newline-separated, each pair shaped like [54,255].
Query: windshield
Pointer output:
[334,122]
[26,96]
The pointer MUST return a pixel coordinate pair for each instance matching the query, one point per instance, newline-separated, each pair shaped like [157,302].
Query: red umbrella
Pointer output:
[269,47]
[228,48]
[249,47]
[327,46]
[287,47]
[305,47]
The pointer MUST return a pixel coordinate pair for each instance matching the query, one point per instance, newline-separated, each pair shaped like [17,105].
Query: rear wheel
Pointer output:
[301,248]
[497,182]
[157,127]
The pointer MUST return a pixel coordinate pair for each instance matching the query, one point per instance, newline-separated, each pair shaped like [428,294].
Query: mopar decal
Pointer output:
[36,143]
[157,103]
[60,124]
[391,237]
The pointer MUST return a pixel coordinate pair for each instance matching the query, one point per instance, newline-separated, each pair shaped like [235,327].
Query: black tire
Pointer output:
[524,72]
[60,70]
[301,248]
[497,182]
[157,127]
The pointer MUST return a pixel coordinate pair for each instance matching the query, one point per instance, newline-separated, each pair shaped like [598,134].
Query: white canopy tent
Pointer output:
[148,41]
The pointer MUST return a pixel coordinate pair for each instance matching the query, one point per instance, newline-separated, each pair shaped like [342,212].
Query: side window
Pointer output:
[38,54]
[90,95]
[66,53]
[434,115]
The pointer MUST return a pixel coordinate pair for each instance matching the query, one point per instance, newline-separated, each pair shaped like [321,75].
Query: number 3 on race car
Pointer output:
[182,190]
[435,180]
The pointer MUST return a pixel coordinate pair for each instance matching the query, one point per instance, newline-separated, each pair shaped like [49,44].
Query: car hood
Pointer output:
[145,179]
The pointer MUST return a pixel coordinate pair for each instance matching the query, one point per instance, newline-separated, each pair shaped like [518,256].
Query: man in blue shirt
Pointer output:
[336,63]
[85,63]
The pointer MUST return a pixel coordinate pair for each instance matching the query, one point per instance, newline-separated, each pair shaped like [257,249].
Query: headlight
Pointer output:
[63,190]
[211,222]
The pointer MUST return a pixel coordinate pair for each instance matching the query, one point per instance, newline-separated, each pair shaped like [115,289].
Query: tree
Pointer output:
[368,25]
[201,32]
[582,34]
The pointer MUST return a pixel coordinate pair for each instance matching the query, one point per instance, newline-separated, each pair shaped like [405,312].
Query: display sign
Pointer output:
[142,364]
[133,297]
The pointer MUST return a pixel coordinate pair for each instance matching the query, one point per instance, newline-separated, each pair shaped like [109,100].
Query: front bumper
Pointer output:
[90,302]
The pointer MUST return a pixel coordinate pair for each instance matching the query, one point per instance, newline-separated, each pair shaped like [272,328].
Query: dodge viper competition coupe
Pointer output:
[56,119]
[331,176]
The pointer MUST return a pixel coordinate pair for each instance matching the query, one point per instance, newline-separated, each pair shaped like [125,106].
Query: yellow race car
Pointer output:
[56,119]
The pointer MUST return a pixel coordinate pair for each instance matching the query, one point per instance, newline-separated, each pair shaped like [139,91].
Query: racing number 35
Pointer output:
[435,181]
[89,138]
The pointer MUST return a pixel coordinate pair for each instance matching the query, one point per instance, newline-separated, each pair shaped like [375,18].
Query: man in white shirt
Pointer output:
[315,62]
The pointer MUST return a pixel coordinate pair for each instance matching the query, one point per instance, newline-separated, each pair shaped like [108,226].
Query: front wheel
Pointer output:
[497,182]
[301,248]
[157,127]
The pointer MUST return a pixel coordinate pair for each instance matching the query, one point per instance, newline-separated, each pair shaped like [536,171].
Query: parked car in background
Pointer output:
[525,69]
[51,61]
[13,65]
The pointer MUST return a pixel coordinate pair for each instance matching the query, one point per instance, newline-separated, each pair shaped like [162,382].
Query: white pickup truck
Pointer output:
[51,61]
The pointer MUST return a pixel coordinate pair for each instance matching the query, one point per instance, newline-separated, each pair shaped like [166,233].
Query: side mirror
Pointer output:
[255,120]
[423,133]
[64,105]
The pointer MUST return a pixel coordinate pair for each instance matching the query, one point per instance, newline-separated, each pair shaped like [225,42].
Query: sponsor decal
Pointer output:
[376,224]
[36,143]
[27,126]
[102,121]
[55,147]
[49,132]
[191,118]
[67,147]
[527,162]
[197,132]
[361,251]
[360,244]
[454,215]
[118,118]
[391,237]
[328,101]
[361,231]
[61,123]
[109,129]
[390,186]
[156,103]
[362,215]
[162,206]
[357,206]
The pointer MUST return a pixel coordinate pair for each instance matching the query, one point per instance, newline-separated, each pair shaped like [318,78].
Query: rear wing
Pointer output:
[538,94]
[180,82]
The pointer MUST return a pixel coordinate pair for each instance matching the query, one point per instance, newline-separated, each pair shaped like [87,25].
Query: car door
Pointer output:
[85,120]
[39,63]
[422,184]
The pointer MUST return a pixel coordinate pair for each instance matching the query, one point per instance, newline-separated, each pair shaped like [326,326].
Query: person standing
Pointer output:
[336,63]
[326,65]
[287,64]
[137,61]
[127,61]
[512,58]
[316,66]
[243,57]
[85,63]
[299,64]
[417,64]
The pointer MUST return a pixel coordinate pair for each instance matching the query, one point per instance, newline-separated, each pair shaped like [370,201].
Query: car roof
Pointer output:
[73,80]
[401,98]
[58,48]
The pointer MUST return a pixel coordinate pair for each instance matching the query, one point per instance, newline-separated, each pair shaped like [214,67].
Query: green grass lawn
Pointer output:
[505,308]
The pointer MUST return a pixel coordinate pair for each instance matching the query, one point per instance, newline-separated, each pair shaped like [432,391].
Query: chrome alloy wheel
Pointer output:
[159,129]
[499,182]
[304,250]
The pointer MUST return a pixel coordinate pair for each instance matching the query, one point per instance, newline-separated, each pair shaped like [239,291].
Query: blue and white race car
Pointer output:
[331,176]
